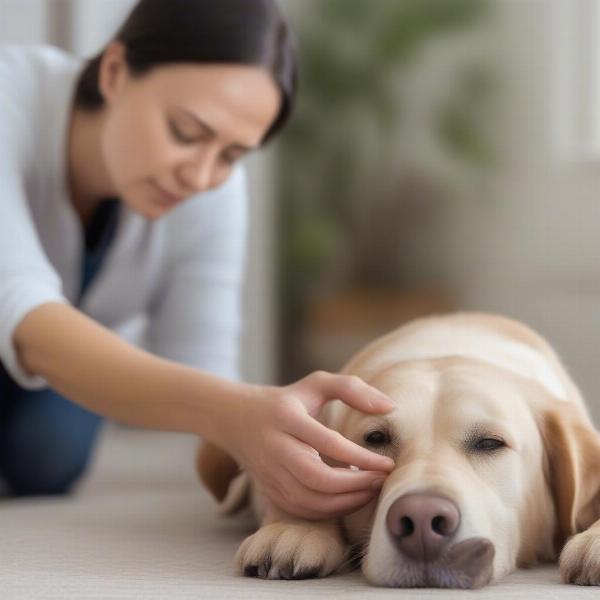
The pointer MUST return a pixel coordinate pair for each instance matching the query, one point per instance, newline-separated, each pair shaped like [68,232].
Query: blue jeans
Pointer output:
[45,439]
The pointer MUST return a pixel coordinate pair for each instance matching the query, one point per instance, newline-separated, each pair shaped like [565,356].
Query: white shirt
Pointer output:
[183,271]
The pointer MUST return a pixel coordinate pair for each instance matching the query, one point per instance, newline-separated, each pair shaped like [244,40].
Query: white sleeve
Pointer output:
[27,279]
[196,318]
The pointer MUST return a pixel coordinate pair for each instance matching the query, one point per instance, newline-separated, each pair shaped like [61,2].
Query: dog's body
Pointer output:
[497,466]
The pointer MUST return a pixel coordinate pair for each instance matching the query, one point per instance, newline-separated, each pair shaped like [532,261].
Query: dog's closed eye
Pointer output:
[487,444]
[485,439]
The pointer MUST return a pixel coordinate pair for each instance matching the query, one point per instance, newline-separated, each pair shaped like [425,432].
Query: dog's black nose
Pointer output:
[422,524]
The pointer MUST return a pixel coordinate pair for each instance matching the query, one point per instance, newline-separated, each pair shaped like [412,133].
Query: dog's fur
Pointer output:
[454,378]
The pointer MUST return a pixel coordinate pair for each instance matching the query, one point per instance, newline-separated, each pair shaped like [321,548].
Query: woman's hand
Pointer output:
[276,438]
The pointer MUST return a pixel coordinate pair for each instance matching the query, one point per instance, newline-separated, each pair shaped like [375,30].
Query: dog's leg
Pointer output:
[286,547]
[580,558]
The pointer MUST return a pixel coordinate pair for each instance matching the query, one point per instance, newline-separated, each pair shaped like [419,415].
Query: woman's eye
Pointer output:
[487,444]
[180,136]
[377,438]
[228,159]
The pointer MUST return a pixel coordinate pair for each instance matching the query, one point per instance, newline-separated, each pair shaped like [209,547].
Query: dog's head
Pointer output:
[491,473]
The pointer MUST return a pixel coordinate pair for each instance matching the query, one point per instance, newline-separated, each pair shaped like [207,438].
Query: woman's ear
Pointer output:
[572,449]
[112,71]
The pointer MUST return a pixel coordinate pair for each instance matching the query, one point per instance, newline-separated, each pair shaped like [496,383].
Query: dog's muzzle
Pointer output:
[422,527]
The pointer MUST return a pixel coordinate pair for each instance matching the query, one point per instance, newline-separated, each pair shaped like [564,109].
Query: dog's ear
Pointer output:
[221,474]
[572,449]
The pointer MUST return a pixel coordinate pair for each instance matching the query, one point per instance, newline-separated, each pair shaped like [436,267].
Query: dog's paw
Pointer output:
[291,551]
[580,559]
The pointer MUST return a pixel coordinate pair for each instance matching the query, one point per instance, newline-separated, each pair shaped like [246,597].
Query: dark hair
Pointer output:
[157,32]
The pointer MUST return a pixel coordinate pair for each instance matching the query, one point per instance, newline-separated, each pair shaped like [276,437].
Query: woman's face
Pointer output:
[179,129]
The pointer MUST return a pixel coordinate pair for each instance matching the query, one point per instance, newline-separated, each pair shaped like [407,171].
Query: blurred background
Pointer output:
[445,155]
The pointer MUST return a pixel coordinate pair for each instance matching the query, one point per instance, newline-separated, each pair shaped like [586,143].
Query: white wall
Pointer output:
[23,21]
[531,247]
[94,22]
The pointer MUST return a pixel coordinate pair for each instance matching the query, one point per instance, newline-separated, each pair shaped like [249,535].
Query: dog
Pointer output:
[497,466]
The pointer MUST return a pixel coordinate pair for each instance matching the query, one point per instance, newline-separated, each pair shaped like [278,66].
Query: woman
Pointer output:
[122,195]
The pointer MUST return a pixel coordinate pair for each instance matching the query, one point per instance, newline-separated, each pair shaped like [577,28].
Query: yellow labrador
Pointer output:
[497,466]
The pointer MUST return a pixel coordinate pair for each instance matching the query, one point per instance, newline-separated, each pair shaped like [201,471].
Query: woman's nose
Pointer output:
[197,175]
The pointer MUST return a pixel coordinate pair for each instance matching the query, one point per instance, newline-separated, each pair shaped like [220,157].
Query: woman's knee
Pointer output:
[46,445]
[36,472]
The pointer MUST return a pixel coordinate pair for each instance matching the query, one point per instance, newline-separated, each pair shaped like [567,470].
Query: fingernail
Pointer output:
[387,402]
[377,483]
[390,463]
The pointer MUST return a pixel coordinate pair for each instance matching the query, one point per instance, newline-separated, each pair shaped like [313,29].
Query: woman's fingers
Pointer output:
[313,473]
[351,390]
[331,443]
[290,495]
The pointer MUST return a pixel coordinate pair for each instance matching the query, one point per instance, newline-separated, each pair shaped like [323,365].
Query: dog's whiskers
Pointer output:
[357,550]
